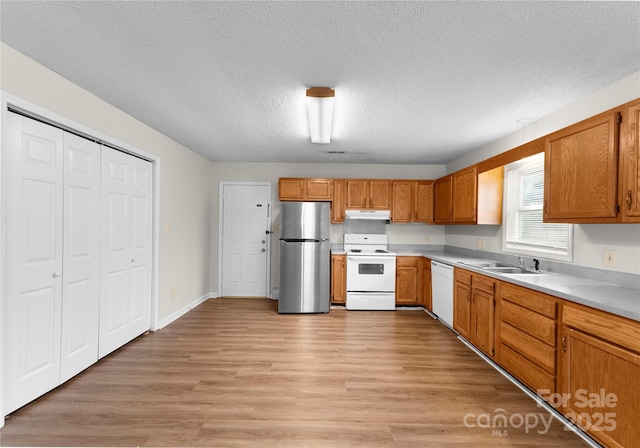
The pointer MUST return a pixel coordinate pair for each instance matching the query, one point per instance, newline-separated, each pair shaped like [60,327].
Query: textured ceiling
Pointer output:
[415,82]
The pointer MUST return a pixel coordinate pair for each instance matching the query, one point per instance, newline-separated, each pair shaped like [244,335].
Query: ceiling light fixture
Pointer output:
[320,106]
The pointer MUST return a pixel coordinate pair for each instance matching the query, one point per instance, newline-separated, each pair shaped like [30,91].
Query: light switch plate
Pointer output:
[610,258]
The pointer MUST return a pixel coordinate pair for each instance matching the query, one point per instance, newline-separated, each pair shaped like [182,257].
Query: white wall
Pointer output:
[184,176]
[271,172]
[590,241]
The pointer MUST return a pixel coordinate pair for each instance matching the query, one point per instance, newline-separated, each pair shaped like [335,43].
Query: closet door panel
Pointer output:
[116,259]
[126,249]
[141,245]
[81,279]
[33,283]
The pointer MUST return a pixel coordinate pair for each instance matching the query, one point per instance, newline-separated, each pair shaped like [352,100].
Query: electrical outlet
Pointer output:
[481,244]
[426,238]
[610,258]
[339,238]
[173,293]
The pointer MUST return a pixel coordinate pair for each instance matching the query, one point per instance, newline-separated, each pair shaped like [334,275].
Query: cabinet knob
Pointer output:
[263,250]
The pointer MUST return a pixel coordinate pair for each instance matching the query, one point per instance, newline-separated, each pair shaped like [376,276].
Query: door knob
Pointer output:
[56,274]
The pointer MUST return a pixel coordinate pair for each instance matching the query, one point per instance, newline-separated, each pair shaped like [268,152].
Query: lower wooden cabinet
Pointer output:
[474,309]
[462,303]
[338,279]
[483,313]
[599,376]
[408,280]
[526,336]
[427,299]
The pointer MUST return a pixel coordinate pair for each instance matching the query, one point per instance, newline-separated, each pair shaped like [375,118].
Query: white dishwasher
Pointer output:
[442,292]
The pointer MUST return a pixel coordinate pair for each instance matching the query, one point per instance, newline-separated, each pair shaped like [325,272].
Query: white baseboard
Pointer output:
[182,311]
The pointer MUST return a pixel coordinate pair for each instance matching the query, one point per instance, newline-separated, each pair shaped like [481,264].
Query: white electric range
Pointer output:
[371,272]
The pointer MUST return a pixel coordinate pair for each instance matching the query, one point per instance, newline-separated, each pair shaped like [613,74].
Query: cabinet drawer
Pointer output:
[540,303]
[404,261]
[484,283]
[616,329]
[462,276]
[536,351]
[533,324]
[526,371]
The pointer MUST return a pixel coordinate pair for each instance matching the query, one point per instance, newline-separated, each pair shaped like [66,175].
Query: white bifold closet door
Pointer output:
[125,304]
[52,259]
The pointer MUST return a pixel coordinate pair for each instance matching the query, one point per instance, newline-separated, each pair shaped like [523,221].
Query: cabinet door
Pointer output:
[318,189]
[631,166]
[337,203]
[357,194]
[379,195]
[465,195]
[443,209]
[600,388]
[423,201]
[407,275]
[462,309]
[402,207]
[581,172]
[426,284]
[291,189]
[483,321]
[338,279]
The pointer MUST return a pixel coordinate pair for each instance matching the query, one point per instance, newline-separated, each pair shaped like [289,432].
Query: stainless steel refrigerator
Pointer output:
[304,257]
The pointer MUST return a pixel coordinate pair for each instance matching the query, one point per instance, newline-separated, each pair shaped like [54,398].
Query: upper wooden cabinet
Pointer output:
[337,204]
[466,197]
[423,197]
[581,171]
[402,201]
[294,189]
[443,197]
[630,167]
[364,194]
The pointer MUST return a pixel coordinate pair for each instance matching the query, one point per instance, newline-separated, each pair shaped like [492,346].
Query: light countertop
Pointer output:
[603,296]
[596,294]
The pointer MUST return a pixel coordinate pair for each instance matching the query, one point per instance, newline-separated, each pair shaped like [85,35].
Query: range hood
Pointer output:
[379,215]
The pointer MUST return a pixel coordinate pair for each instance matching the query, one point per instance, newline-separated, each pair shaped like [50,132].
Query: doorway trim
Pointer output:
[32,110]
[221,186]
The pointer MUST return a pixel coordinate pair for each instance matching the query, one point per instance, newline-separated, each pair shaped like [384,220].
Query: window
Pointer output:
[525,233]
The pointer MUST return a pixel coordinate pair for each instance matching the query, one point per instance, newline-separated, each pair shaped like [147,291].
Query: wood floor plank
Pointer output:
[235,373]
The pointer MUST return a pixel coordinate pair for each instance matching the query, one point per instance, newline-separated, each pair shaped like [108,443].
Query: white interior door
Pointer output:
[125,299]
[33,284]
[81,255]
[245,220]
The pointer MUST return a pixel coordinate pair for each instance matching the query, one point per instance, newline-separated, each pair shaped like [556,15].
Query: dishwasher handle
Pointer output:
[438,265]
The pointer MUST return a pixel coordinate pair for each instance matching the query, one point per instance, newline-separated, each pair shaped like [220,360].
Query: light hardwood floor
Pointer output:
[234,373]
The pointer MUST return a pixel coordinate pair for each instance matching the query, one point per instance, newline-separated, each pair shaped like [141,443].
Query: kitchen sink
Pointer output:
[487,264]
[509,270]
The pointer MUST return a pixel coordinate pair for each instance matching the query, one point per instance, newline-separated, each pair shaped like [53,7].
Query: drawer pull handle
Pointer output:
[629,200]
